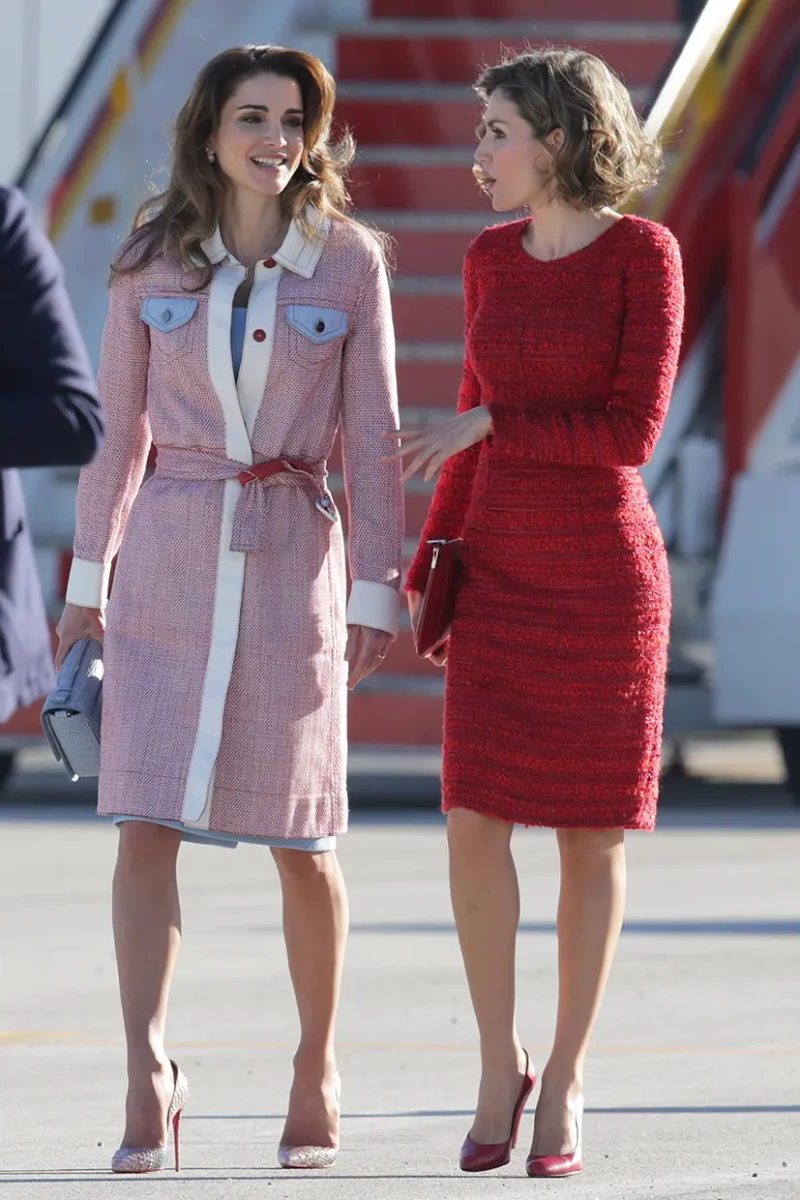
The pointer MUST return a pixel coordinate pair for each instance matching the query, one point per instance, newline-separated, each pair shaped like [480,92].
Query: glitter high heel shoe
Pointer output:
[310,1158]
[128,1161]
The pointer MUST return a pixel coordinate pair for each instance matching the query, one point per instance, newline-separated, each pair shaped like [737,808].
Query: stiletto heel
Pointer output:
[310,1158]
[176,1135]
[477,1157]
[143,1160]
[556,1166]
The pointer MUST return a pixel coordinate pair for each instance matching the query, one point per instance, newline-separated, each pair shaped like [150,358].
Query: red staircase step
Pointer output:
[25,726]
[524,10]
[429,383]
[430,243]
[394,718]
[412,416]
[453,59]
[394,122]
[417,502]
[417,505]
[402,659]
[376,117]
[419,184]
[431,253]
[416,313]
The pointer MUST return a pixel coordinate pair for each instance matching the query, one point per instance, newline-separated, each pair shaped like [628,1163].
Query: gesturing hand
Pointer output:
[435,444]
[366,650]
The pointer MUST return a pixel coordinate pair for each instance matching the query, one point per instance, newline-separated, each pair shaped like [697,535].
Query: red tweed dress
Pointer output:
[556,666]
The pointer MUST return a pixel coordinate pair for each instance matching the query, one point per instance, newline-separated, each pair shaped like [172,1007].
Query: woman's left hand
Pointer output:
[436,444]
[366,650]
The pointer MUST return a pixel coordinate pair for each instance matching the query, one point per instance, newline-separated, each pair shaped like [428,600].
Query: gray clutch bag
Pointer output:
[73,710]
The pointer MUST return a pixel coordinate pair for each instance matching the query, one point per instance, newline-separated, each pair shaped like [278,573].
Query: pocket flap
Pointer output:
[168,312]
[317,324]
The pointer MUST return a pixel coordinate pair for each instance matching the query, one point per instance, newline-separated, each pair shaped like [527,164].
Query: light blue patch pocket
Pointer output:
[317,324]
[165,313]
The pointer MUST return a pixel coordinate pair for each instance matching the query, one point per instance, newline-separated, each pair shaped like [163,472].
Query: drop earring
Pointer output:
[210,155]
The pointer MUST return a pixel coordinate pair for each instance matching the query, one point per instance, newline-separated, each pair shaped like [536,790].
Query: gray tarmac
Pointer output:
[693,1086]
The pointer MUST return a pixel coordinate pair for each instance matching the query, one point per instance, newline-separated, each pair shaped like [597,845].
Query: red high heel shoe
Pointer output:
[475,1157]
[555,1166]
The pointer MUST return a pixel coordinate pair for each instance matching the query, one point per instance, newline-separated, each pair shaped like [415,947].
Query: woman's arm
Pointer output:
[49,411]
[625,431]
[451,498]
[374,488]
[109,485]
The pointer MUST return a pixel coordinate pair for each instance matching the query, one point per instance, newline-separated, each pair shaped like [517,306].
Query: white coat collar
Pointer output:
[298,253]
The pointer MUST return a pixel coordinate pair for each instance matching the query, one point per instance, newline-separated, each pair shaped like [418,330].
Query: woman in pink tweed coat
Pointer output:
[249,320]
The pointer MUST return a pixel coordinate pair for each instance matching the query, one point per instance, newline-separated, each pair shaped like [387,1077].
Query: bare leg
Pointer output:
[315,920]
[485,896]
[147,934]
[590,913]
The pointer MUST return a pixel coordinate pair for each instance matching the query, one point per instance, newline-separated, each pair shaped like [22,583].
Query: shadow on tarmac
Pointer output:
[597,1110]
[735,928]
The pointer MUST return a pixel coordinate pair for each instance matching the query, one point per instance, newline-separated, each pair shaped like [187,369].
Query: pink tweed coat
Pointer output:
[225,686]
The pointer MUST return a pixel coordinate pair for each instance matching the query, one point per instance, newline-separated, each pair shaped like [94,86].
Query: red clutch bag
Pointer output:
[439,601]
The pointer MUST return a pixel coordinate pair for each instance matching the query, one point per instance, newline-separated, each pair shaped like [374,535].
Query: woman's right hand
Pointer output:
[414,608]
[76,623]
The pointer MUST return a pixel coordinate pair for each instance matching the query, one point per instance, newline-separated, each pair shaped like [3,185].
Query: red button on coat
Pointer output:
[270,262]
[259,335]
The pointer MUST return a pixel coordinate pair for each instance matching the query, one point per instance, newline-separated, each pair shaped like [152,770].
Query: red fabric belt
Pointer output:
[273,466]
[252,517]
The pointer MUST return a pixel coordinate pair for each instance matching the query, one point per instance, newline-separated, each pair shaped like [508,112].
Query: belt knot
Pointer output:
[251,520]
[251,517]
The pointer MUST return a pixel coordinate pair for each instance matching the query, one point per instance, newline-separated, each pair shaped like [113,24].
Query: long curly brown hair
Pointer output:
[177,221]
[605,158]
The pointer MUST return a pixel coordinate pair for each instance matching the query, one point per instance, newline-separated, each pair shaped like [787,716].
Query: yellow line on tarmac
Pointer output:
[84,1040]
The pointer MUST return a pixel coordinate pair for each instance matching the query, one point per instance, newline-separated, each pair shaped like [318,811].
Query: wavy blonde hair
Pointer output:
[606,157]
[177,221]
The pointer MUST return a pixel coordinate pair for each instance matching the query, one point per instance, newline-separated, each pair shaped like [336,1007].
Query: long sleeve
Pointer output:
[108,487]
[625,431]
[451,497]
[374,489]
[49,411]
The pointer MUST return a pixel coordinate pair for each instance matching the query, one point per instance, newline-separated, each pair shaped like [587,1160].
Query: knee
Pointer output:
[145,847]
[305,866]
[471,832]
[590,846]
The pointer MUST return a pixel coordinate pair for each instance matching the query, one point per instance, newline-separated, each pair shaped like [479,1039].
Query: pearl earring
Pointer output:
[210,154]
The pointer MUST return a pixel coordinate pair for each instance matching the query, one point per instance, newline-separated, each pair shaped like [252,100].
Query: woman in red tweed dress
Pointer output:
[556,662]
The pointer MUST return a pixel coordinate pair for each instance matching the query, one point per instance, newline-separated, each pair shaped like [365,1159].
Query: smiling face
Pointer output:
[259,143]
[511,164]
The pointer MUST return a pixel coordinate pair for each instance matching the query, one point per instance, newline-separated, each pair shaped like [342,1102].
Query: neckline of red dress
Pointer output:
[551,262]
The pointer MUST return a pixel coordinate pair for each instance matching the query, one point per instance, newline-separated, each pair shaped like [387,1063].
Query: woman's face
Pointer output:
[260,141]
[512,166]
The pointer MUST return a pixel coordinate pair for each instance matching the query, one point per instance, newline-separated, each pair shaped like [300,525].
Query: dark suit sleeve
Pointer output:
[50,414]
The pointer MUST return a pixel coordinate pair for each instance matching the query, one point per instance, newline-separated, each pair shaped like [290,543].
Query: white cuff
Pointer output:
[375,605]
[88,583]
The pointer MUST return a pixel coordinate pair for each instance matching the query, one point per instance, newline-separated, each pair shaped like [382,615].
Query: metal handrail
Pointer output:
[709,30]
[73,87]
[696,88]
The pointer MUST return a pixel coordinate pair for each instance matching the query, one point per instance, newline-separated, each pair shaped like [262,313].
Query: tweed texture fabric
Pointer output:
[225,688]
[557,659]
